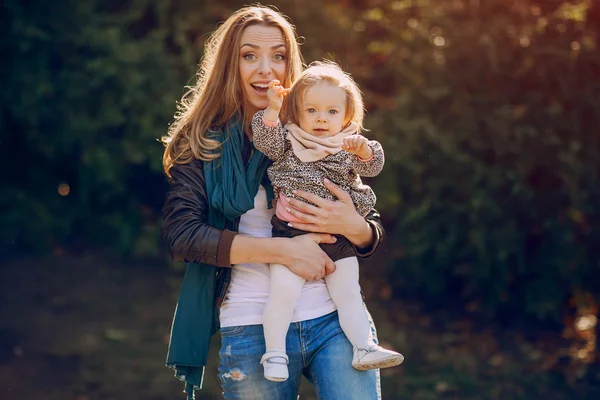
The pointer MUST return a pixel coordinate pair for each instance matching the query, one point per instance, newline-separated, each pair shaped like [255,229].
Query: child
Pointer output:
[324,109]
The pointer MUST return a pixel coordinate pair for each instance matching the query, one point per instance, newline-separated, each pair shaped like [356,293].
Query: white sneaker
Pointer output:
[375,357]
[275,366]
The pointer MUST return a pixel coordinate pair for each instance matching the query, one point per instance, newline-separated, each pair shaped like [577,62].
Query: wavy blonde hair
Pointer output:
[331,73]
[218,94]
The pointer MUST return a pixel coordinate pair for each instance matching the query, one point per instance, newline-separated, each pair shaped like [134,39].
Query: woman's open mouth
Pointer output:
[260,88]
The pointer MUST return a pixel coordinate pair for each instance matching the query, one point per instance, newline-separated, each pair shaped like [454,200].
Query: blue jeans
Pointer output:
[317,348]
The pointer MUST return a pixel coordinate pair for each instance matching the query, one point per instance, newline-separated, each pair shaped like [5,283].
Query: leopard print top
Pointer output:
[344,169]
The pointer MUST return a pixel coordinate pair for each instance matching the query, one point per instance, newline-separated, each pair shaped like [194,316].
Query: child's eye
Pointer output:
[311,110]
[279,57]
[249,57]
[333,112]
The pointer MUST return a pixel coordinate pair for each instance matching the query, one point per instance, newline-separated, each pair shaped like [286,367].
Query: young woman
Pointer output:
[217,217]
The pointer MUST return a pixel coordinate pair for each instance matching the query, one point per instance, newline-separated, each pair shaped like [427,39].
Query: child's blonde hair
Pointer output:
[331,73]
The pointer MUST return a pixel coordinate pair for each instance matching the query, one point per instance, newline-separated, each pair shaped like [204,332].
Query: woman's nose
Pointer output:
[264,66]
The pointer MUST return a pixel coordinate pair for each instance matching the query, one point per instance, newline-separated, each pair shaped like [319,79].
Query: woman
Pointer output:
[217,217]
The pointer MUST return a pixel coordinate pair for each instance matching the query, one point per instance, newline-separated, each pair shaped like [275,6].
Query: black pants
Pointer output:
[342,248]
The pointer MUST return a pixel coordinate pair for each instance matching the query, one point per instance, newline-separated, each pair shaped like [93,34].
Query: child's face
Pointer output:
[323,112]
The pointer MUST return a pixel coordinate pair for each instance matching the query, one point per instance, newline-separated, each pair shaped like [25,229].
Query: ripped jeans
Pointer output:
[317,348]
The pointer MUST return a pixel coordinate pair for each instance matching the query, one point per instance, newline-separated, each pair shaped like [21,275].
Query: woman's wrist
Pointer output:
[360,233]
[281,251]
[249,249]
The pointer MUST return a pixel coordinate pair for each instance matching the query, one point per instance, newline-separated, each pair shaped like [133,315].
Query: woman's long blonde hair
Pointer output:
[218,94]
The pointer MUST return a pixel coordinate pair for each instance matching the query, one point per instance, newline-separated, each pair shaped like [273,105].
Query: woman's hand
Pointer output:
[307,259]
[335,217]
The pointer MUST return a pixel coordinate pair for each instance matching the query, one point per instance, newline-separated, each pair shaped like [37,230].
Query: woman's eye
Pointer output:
[279,57]
[249,57]
[333,112]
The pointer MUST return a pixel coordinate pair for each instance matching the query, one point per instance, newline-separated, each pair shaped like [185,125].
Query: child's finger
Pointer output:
[273,83]
[347,144]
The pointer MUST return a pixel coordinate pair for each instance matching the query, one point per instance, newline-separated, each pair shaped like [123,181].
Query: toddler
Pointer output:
[323,112]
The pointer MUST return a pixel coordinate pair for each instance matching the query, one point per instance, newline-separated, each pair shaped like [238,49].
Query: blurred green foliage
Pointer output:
[494,162]
[488,112]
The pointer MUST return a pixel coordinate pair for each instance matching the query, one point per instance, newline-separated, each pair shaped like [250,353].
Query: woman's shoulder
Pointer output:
[195,164]
[192,170]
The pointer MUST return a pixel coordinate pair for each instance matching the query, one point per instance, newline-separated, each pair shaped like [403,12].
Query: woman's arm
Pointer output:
[339,218]
[301,254]
[185,215]
[191,238]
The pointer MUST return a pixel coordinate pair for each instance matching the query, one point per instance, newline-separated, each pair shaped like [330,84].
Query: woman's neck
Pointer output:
[248,112]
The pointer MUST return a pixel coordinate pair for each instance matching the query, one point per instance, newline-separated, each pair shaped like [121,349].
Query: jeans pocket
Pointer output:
[229,331]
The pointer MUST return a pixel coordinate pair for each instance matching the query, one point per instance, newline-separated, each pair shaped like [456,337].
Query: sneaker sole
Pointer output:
[385,363]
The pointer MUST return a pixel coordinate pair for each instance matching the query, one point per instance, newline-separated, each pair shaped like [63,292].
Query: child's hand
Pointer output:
[358,145]
[275,94]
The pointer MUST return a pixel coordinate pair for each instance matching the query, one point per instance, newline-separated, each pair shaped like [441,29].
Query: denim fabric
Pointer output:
[317,348]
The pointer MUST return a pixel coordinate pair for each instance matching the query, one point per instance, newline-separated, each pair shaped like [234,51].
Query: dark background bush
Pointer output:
[488,112]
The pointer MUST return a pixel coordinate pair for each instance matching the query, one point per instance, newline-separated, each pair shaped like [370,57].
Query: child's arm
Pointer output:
[269,140]
[268,134]
[275,94]
[369,158]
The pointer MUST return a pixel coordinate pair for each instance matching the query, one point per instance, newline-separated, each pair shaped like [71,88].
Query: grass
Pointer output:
[91,328]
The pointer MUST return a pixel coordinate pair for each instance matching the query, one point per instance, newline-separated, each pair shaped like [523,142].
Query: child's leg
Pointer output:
[345,291]
[285,289]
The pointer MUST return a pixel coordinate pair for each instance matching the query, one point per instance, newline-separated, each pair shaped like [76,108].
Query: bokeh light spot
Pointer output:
[439,41]
[64,189]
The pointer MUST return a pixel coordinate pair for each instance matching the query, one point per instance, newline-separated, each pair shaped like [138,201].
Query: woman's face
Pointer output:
[263,57]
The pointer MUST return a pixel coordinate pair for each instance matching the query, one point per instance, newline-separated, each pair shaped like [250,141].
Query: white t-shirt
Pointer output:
[248,290]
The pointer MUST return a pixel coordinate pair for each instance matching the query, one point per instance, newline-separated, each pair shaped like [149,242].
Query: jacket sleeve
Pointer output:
[372,167]
[185,214]
[374,220]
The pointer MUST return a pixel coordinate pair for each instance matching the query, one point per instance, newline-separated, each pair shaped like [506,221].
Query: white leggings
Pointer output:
[344,290]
